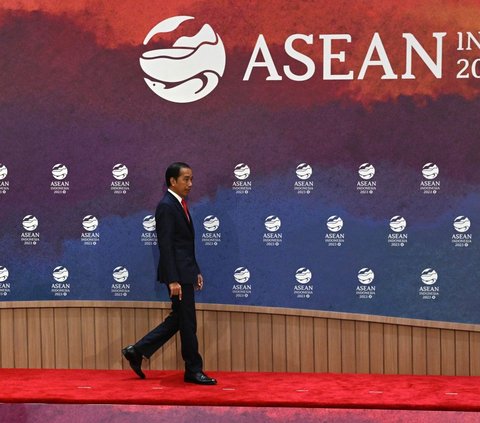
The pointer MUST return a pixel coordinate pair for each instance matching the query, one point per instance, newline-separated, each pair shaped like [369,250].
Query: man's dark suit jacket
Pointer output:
[176,243]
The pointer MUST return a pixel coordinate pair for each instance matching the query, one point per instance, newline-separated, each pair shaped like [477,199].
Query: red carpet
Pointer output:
[242,389]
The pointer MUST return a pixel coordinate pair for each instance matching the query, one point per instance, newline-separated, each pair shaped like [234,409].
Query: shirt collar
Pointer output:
[175,195]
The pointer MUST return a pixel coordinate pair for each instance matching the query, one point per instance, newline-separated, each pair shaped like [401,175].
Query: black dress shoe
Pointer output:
[199,378]
[135,360]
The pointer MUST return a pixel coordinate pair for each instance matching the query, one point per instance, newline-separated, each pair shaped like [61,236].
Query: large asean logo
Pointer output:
[190,69]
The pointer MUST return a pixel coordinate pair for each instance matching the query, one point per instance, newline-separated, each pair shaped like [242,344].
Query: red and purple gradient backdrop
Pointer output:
[72,92]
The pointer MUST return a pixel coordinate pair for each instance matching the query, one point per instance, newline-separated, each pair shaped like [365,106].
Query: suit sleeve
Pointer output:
[165,228]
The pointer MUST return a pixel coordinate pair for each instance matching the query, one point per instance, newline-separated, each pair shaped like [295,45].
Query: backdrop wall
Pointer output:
[333,145]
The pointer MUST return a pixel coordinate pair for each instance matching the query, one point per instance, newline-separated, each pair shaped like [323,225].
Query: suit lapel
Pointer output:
[179,208]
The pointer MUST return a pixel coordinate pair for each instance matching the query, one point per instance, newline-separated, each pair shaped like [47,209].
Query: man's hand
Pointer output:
[175,289]
[199,284]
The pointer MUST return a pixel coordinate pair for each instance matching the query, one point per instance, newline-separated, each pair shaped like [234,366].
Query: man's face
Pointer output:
[183,184]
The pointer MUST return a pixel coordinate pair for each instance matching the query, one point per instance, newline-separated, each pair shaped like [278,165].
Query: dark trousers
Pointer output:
[183,319]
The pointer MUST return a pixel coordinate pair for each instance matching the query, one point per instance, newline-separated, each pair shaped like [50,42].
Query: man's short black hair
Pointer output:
[173,171]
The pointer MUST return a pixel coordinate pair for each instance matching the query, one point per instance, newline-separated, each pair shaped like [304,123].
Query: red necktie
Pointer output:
[185,209]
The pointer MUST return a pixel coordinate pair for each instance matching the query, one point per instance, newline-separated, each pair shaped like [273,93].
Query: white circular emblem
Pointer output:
[398,223]
[461,224]
[30,223]
[430,171]
[60,274]
[365,276]
[242,171]
[272,223]
[59,171]
[90,223]
[241,275]
[3,274]
[429,276]
[149,223]
[120,274]
[3,171]
[303,275]
[188,70]
[334,223]
[120,171]
[304,171]
[366,171]
[211,223]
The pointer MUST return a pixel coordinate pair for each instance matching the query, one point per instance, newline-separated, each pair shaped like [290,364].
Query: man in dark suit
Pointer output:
[179,270]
